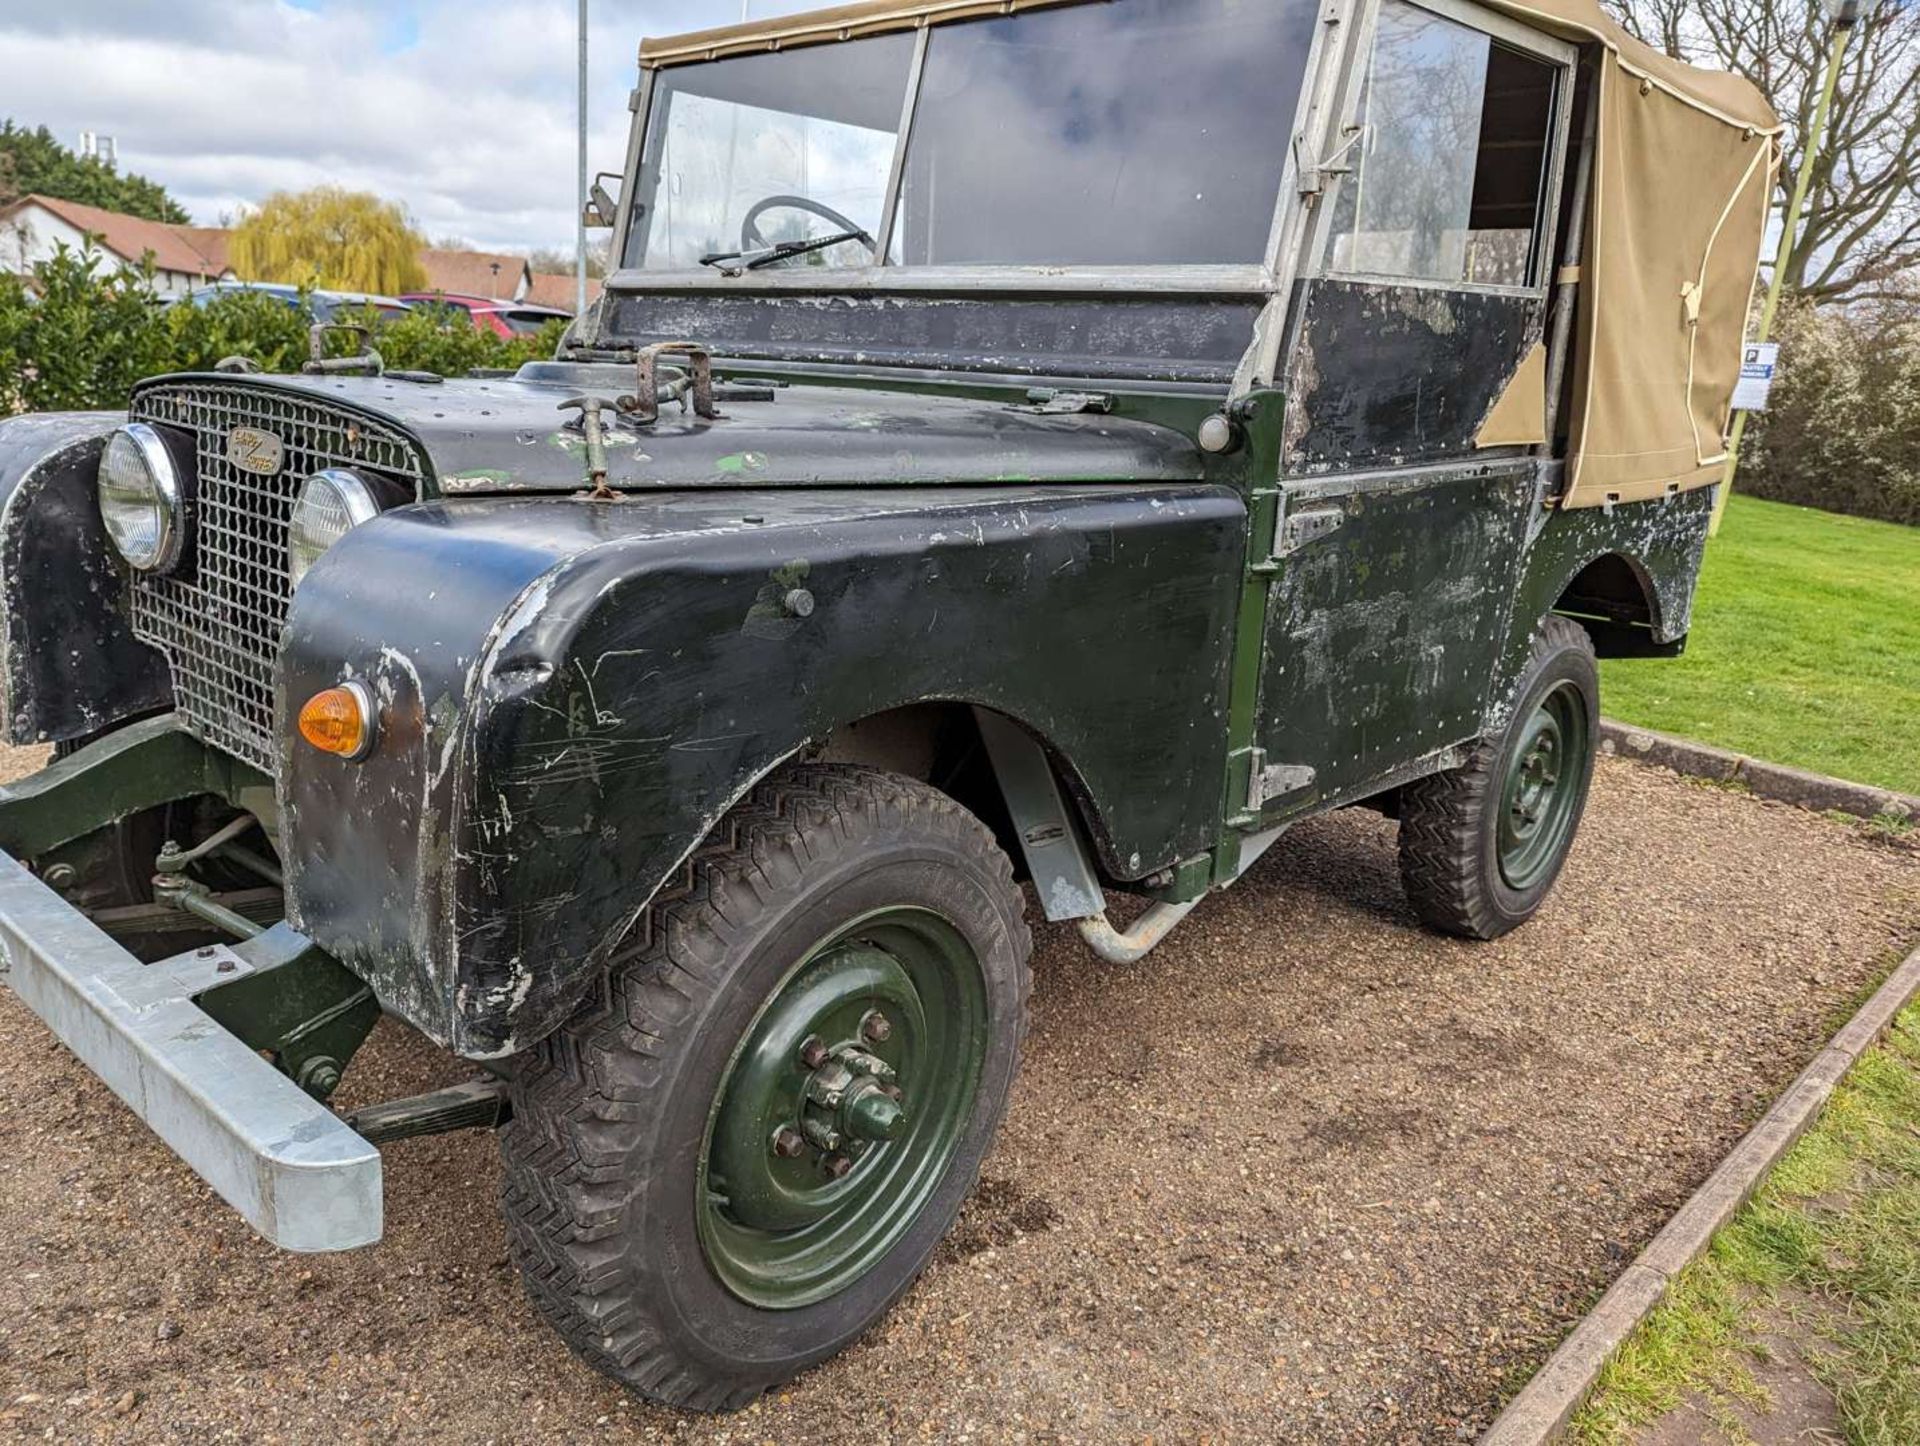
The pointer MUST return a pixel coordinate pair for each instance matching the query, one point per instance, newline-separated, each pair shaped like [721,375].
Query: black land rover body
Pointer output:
[1062,443]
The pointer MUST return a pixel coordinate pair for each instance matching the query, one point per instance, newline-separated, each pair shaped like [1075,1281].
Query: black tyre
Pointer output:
[1481,845]
[736,1159]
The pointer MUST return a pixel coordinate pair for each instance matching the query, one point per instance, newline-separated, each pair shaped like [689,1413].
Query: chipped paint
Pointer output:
[482,479]
[1396,375]
[68,657]
[580,694]
[641,669]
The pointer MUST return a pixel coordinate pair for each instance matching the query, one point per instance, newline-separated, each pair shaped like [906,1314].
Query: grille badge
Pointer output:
[256,451]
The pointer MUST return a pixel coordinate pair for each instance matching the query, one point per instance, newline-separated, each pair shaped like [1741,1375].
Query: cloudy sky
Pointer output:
[463,110]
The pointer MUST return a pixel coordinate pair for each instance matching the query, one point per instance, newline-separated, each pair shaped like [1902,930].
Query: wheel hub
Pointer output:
[1541,792]
[850,1100]
[807,1073]
[841,1107]
[1539,773]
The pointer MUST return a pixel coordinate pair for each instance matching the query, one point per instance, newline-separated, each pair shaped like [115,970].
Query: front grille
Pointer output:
[220,625]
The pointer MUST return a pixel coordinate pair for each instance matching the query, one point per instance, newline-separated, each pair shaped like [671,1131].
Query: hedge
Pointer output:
[1842,431]
[77,335]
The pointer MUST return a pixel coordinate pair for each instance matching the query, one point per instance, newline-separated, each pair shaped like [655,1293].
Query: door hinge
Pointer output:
[1269,781]
[1297,529]
[1049,402]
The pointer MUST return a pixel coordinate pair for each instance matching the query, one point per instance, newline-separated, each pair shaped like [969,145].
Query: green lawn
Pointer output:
[1805,648]
[1827,1256]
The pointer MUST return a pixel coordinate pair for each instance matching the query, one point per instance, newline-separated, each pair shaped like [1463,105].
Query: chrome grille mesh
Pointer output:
[220,625]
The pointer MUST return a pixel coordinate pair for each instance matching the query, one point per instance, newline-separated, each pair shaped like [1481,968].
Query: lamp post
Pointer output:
[1846,14]
[580,188]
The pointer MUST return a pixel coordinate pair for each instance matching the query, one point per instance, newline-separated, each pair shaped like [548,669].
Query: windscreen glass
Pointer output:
[763,155]
[1147,133]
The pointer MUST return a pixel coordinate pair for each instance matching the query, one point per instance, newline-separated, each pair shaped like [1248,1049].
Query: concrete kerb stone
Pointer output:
[1544,1406]
[1765,780]
[1541,1411]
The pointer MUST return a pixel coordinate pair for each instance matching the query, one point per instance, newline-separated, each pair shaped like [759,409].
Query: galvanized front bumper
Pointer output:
[283,1160]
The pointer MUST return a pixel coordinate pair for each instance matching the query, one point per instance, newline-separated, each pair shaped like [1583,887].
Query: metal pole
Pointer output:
[580,189]
[1568,294]
[1789,226]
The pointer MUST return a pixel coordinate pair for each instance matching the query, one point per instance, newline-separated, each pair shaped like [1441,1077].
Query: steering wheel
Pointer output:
[752,240]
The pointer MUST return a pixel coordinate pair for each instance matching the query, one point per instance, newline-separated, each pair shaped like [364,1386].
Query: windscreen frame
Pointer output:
[1266,275]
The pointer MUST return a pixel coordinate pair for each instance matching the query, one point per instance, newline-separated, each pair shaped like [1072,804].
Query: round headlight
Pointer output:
[142,499]
[330,505]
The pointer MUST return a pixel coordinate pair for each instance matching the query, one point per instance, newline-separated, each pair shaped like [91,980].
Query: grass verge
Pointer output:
[1804,638]
[1829,1249]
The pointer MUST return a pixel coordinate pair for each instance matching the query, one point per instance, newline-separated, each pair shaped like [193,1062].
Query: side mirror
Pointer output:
[601,209]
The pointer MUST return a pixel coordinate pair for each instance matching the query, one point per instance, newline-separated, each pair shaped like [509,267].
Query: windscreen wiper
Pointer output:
[733,263]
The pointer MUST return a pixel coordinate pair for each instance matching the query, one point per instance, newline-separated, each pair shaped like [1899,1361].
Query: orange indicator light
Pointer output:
[339,720]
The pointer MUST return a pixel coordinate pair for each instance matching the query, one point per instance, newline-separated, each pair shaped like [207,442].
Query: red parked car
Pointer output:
[502,318]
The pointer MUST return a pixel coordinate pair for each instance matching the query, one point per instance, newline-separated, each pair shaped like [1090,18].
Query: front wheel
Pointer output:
[1482,844]
[734,1162]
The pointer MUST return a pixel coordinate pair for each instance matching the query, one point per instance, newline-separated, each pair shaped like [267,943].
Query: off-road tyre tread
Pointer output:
[566,1182]
[1441,818]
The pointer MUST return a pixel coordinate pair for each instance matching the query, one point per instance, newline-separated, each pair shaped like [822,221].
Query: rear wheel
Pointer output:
[1481,845]
[731,1164]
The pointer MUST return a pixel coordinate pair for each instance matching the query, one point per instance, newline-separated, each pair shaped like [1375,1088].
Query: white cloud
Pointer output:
[463,110]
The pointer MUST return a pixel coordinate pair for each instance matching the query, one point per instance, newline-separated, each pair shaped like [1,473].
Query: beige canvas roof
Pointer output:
[1683,180]
[816,27]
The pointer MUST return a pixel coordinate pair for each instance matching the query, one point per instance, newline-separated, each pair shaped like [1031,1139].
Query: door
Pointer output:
[1413,374]
[1385,620]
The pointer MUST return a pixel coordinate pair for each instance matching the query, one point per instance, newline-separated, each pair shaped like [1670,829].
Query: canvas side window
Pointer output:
[1450,159]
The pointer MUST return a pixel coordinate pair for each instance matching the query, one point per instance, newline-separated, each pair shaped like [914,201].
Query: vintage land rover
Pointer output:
[1062,441]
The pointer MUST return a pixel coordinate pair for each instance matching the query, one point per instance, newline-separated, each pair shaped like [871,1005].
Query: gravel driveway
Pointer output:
[1308,1174]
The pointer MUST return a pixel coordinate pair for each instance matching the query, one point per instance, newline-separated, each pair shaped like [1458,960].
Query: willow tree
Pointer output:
[328,237]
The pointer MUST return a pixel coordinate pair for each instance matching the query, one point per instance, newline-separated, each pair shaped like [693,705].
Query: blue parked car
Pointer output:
[325,305]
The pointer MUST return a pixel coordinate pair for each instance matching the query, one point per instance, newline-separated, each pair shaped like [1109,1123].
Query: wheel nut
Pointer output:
[822,1136]
[877,1027]
[813,1053]
[838,1165]
[871,1065]
[789,1143]
[319,1076]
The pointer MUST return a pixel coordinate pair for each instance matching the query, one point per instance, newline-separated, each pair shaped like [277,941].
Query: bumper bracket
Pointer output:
[290,1166]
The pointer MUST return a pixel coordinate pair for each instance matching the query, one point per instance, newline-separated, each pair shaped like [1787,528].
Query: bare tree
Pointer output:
[1860,238]
[554,260]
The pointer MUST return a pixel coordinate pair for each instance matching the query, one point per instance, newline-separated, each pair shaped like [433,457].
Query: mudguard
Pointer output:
[1661,542]
[71,664]
[572,694]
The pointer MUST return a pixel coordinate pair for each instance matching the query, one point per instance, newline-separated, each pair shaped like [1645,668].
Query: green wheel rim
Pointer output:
[1540,794]
[841,1109]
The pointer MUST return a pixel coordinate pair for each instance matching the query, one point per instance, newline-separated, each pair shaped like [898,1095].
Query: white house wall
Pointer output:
[34,235]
